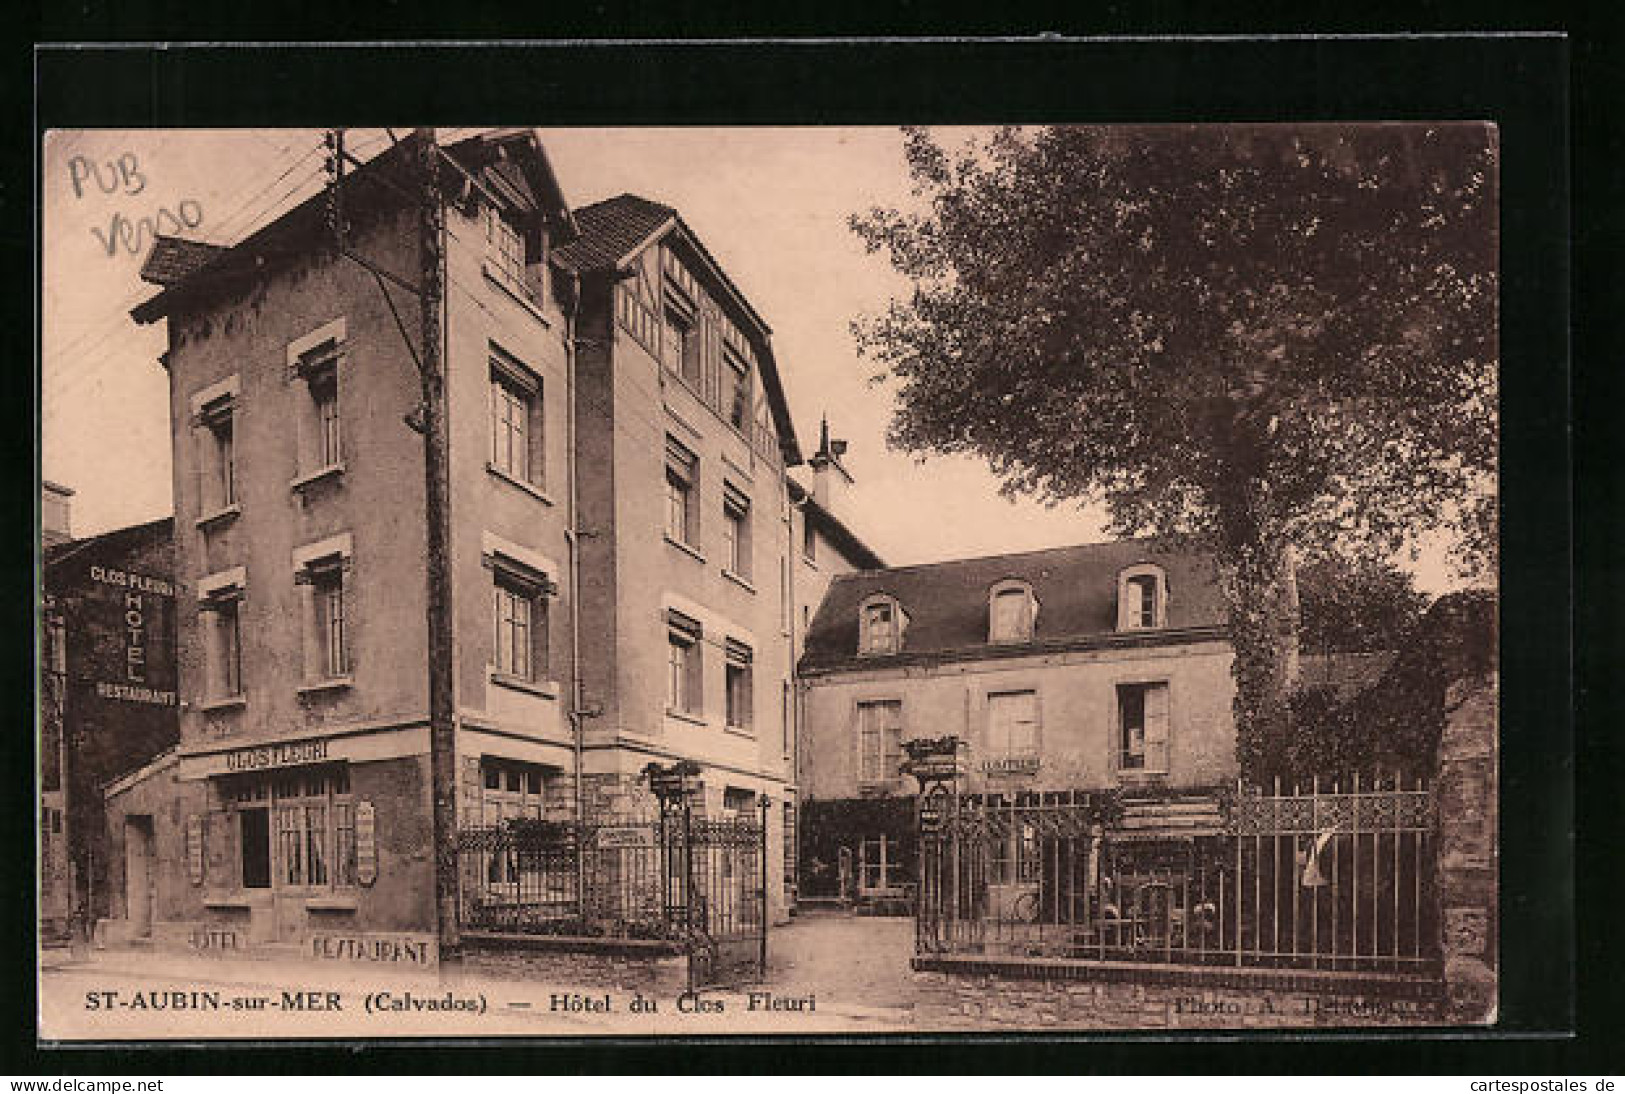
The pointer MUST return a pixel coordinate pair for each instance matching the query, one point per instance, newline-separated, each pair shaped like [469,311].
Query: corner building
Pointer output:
[620,539]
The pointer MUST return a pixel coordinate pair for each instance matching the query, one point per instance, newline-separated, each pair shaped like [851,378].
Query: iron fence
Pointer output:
[612,879]
[693,880]
[1336,877]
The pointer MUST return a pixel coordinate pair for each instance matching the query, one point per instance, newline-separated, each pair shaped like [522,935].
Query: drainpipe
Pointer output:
[572,535]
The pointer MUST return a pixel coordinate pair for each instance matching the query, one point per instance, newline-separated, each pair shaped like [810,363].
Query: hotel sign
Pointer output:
[128,629]
[366,843]
[194,848]
[1011,765]
[262,757]
[627,835]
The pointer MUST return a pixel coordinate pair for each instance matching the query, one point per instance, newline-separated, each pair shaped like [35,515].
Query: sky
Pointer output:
[770,204]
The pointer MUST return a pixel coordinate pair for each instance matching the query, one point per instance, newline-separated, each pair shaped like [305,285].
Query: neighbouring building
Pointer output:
[624,547]
[826,548]
[107,698]
[1076,669]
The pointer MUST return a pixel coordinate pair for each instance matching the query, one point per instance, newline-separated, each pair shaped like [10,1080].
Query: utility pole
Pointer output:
[437,513]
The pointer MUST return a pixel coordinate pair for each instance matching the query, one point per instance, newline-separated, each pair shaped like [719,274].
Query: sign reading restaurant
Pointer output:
[285,755]
[128,644]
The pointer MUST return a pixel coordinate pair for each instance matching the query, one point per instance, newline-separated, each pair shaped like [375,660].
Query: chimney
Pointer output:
[831,480]
[54,513]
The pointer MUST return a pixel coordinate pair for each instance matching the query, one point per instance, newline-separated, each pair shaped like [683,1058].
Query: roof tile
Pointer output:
[611,230]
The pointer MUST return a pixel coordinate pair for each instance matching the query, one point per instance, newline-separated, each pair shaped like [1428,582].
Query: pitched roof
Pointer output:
[947,605]
[859,553]
[617,228]
[612,229]
[288,236]
[173,259]
[118,540]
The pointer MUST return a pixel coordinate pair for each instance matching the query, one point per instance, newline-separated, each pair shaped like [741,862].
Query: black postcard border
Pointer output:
[1520,82]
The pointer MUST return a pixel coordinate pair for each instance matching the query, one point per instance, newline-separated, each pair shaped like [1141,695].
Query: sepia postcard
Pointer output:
[520,581]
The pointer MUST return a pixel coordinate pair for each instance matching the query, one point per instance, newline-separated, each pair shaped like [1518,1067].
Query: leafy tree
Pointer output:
[1253,337]
[1356,605]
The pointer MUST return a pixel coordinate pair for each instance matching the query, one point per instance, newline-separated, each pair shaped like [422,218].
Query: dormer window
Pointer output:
[881,622]
[1012,612]
[1142,598]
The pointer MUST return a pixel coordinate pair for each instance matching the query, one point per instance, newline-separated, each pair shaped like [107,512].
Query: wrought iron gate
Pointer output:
[697,881]
[716,892]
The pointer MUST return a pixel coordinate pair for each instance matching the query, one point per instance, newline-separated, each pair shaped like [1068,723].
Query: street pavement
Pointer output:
[827,974]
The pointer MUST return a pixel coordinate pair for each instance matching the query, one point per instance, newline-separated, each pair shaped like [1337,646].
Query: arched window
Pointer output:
[1142,598]
[881,622]
[1012,612]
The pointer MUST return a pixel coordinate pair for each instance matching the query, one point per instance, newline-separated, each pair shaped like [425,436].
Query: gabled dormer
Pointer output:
[1142,597]
[1012,611]
[881,624]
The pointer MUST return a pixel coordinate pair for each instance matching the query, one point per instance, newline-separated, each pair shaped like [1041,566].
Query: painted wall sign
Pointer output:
[366,843]
[382,949]
[629,835]
[288,755]
[126,636]
[194,848]
[213,939]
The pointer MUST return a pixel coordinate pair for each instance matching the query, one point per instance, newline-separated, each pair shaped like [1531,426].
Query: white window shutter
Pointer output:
[1024,739]
[1156,727]
[1126,605]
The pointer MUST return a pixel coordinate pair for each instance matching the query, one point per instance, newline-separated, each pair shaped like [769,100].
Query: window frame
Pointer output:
[736,531]
[1026,624]
[868,633]
[685,667]
[739,687]
[515,399]
[1154,757]
[682,470]
[680,322]
[888,737]
[1134,584]
[327,612]
[286,799]
[507,254]
[515,583]
[218,420]
[736,400]
[1006,749]
[223,678]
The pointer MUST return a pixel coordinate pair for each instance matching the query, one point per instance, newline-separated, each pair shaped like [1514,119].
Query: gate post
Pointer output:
[764,804]
[937,766]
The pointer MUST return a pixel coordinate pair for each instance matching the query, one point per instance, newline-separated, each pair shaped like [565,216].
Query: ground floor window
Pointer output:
[295,829]
[509,789]
[1014,858]
[880,864]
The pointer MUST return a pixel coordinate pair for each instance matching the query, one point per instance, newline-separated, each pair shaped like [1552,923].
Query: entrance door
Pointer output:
[139,875]
[256,846]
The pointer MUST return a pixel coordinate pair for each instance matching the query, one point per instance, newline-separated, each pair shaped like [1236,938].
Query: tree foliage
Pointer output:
[1356,605]
[1254,337]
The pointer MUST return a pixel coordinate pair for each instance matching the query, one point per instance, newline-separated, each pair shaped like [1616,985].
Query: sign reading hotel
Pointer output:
[134,657]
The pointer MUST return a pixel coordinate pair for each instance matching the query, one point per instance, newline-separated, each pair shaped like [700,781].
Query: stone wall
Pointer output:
[654,970]
[1466,784]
